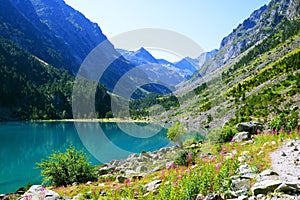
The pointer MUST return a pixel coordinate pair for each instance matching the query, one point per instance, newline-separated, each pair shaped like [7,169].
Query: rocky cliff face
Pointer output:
[259,25]
[79,34]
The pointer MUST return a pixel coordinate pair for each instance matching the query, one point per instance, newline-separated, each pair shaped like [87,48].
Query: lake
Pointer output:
[25,143]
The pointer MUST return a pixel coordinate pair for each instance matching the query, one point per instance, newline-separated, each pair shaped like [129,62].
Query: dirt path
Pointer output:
[285,161]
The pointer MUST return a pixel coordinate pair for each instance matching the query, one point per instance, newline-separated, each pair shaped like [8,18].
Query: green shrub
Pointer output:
[222,135]
[62,169]
[176,133]
[185,158]
[288,122]
[189,142]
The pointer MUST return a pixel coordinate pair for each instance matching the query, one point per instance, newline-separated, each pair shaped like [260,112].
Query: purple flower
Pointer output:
[175,183]
[218,166]
[189,156]
[282,129]
[258,131]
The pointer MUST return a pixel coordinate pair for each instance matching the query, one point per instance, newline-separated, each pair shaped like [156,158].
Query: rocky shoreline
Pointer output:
[281,181]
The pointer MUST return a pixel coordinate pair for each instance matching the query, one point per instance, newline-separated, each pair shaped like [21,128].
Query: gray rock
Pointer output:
[246,171]
[290,144]
[283,154]
[241,136]
[106,170]
[133,156]
[39,192]
[129,172]
[89,183]
[200,197]
[141,168]
[242,186]
[136,177]
[157,168]
[153,185]
[268,172]
[243,197]
[213,197]
[288,188]
[265,186]
[250,127]
[121,179]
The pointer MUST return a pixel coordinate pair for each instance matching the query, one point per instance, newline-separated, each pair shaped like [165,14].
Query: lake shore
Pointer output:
[95,120]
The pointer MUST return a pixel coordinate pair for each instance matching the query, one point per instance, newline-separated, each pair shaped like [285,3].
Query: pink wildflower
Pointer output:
[218,166]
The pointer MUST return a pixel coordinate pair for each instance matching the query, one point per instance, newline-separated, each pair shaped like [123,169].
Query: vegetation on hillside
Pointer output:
[32,89]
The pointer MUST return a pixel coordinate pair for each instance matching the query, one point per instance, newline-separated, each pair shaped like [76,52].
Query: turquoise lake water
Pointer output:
[25,143]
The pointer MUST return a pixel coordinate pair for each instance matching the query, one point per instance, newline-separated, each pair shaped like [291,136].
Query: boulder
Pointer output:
[121,179]
[288,188]
[106,170]
[265,186]
[141,168]
[213,197]
[246,171]
[153,185]
[250,127]
[240,186]
[36,192]
[241,136]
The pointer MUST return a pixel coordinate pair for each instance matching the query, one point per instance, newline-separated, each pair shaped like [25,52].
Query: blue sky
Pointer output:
[205,22]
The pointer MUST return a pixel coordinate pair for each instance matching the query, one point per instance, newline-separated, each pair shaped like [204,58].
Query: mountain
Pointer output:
[60,36]
[195,64]
[158,70]
[253,77]
[261,24]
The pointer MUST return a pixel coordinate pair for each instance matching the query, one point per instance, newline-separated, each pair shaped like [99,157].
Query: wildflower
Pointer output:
[282,129]
[289,131]
[258,131]
[218,166]
[168,167]
[214,158]
[273,131]
[188,170]
[116,187]
[182,170]
[173,165]
[175,183]
[189,156]
[163,172]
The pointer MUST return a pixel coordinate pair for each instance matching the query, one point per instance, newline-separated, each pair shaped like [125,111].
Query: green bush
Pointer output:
[222,135]
[62,169]
[176,134]
[185,158]
[288,122]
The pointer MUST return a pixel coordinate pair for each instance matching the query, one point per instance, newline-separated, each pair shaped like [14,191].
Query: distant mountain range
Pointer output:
[163,70]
